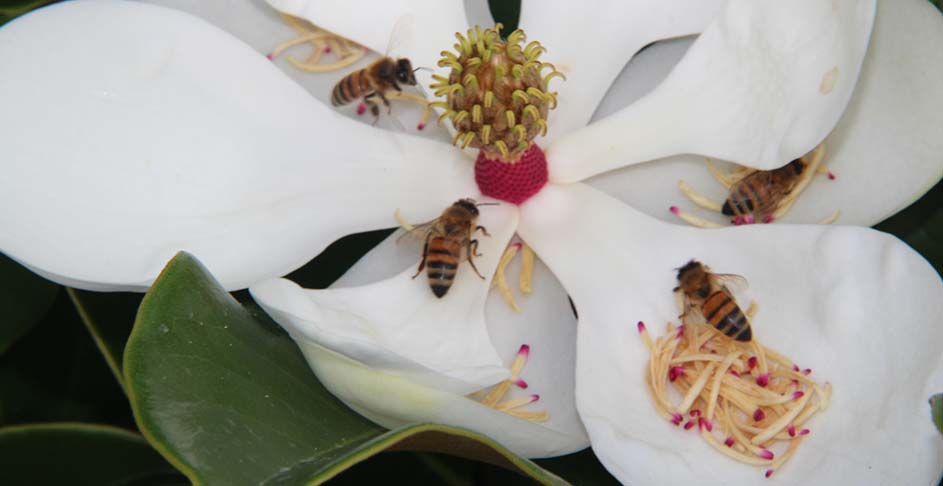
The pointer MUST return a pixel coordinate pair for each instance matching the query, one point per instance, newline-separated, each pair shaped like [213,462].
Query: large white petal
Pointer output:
[398,324]
[765,83]
[591,42]
[137,131]
[392,401]
[885,149]
[546,323]
[859,307]
[417,29]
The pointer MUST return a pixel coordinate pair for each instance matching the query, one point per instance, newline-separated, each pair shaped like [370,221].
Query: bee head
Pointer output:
[468,204]
[688,267]
[404,72]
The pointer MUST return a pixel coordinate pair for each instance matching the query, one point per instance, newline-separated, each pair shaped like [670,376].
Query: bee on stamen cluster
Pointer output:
[708,295]
[447,238]
[758,195]
[373,82]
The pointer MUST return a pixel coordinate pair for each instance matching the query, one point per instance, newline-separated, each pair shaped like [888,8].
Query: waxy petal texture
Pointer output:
[857,306]
[193,142]
[590,44]
[764,84]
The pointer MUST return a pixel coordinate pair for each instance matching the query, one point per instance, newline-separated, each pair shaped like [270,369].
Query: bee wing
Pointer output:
[733,283]
[418,232]
[402,35]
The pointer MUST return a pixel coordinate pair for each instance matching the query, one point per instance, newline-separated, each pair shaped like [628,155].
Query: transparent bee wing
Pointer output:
[732,283]
[417,232]
[402,36]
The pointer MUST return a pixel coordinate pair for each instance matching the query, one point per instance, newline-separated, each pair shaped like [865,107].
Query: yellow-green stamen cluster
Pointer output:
[496,93]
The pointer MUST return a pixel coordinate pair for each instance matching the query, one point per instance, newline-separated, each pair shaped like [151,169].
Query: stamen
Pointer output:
[500,276]
[525,281]
[494,397]
[693,220]
[698,199]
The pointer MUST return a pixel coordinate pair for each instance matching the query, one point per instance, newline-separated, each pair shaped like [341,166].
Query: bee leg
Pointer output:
[370,101]
[425,251]
[483,230]
[386,102]
[473,252]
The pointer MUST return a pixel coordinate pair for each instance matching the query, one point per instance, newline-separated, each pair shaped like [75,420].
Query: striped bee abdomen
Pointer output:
[441,264]
[353,86]
[722,312]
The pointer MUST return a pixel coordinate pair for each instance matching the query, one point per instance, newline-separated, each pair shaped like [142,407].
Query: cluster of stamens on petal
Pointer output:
[496,92]
[494,397]
[745,399]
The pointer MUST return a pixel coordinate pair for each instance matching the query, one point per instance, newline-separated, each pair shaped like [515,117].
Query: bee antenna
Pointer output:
[488,204]
[422,68]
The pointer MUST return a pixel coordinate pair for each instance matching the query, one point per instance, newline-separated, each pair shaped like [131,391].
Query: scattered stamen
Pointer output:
[769,472]
[321,41]
[493,398]
[525,281]
[693,220]
[500,276]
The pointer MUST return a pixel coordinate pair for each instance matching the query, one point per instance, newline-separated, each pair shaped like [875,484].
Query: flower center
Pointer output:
[497,100]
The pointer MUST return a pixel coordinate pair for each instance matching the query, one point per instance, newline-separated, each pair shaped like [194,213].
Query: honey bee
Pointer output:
[445,239]
[708,294]
[373,82]
[760,193]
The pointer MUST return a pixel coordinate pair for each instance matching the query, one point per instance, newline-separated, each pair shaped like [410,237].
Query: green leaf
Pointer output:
[10,9]
[224,394]
[74,453]
[109,318]
[936,411]
[25,299]
[54,373]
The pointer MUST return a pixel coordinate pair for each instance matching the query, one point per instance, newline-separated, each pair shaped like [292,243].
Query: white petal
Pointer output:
[857,306]
[546,323]
[765,83]
[884,151]
[398,324]
[393,401]
[417,29]
[151,132]
[591,43]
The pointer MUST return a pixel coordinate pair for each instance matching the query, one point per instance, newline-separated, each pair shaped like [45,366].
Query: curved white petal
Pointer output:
[417,29]
[764,84]
[885,150]
[546,323]
[859,307]
[393,401]
[151,132]
[398,324]
[591,42]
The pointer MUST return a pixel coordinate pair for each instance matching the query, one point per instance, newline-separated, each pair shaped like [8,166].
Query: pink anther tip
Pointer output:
[420,126]
[795,368]
[676,418]
[768,219]
[729,442]
[327,49]
[749,219]
[767,454]
[674,210]
[703,423]
[769,472]
[534,398]
[734,372]
[270,56]
[737,221]
[797,395]
[804,432]
[674,372]
[680,332]
[688,425]
[792,430]
[831,176]
[641,326]
[759,415]
[695,413]
[524,351]
[763,380]
[751,362]
[361,109]
[807,371]
[520,383]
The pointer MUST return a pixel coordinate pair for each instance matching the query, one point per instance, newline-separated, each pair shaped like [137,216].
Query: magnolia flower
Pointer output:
[197,143]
